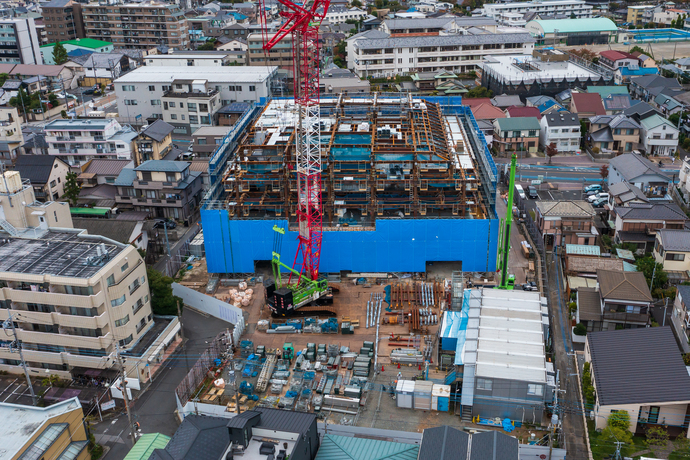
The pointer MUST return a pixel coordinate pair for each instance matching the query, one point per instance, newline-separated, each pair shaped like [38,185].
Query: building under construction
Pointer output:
[405,182]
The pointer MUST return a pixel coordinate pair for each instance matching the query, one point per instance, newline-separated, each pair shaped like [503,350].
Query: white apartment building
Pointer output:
[19,42]
[455,53]
[503,12]
[443,25]
[11,137]
[80,140]
[190,59]
[140,92]
[341,14]
[562,129]
[190,104]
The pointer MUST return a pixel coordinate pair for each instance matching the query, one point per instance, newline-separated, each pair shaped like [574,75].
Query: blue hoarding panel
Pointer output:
[397,245]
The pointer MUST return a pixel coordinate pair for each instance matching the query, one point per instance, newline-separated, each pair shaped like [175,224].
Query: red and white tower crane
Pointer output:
[302,21]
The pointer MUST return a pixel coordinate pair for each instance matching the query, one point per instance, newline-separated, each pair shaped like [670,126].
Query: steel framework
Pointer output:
[303,22]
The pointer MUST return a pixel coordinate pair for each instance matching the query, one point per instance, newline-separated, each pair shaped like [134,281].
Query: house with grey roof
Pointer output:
[640,371]
[672,250]
[639,171]
[624,193]
[659,136]
[614,133]
[154,142]
[636,224]
[565,222]
[168,189]
[45,172]
[620,300]
[647,87]
[562,129]
[640,110]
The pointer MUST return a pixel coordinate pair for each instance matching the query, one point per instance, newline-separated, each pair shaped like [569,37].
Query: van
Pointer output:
[520,191]
[532,192]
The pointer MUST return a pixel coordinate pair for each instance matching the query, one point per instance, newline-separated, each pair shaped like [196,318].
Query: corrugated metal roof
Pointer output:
[347,448]
[582,249]
[162,166]
[444,443]
[493,445]
[146,444]
[443,40]
[565,26]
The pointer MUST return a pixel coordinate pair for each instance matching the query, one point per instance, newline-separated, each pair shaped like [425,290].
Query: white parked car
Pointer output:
[598,196]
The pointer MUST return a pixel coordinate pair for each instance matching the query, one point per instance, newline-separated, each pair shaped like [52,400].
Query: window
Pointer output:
[631,132]
[111,280]
[201,141]
[484,384]
[182,117]
[117,302]
[125,341]
[151,194]
[205,119]
[128,88]
[124,267]
[155,102]
[193,119]
[252,88]
[172,105]
[134,286]
[130,102]
[532,133]
[173,116]
[675,257]
[122,322]
[534,389]
[152,87]
[191,106]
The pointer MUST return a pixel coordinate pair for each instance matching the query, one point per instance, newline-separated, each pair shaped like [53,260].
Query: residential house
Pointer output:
[648,87]
[684,178]
[229,114]
[622,300]
[101,172]
[516,134]
[624,193]
[487,128]
[672,250]
[680,317]
[653,386]
[237,47]
[624,75]
[636,224]
[11,136]
[87,45]
[428,81]
[668,16]
[641,172]
[154,142]
[587,105]
[55,431]
[566,222]
[522,111]
[612,59]
[294,433]
[503,101]
[561,129]
[206,139]
[659,136]
[47,174]
[189,104]
[487,112]
[614,133]
[667,104]
[640,110]
[616,103]
[683,64]
[645,61]
[168,189]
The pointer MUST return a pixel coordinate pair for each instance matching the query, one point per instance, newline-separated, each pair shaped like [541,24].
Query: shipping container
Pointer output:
[422,394]
[405,393]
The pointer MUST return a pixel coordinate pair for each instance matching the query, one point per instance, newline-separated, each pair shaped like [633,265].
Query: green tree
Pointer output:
[59,54]
[479,91]
[657,436]
[3,78]
[52,98]
[72,188]
[210,45]
[649,266]
[637,49]
[163,302]
[356,3]
[619,419]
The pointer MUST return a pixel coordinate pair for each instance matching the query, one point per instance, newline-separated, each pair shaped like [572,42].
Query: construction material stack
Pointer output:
[266,373]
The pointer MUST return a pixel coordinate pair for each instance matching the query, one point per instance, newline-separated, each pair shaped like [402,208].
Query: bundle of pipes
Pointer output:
[427,317]
[407,356]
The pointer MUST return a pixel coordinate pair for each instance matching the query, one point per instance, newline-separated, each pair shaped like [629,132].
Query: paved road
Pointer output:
[155,409]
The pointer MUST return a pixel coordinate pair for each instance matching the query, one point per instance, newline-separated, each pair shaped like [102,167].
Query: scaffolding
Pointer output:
[387,157]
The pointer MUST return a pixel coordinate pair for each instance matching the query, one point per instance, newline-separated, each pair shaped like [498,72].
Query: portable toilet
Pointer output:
[422,394]
[404,393]
[440,398]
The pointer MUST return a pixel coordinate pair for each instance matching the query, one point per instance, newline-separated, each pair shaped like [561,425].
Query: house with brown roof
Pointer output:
[102,171]
[587,105]
[487,112]
[621,301]
[637,223]
[521,111]
[566,222]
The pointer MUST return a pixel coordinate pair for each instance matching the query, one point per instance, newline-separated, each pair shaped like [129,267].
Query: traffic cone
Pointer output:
[382,369]
[420,367]
[398,365]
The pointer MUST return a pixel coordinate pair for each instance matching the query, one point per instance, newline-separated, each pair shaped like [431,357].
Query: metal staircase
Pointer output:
[9,228]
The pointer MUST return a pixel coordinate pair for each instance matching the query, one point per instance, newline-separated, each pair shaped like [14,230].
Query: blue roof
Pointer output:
[548,104]
[126,178]
[238,16]
[639,71]
[79,52]
[162,166]
[582,249]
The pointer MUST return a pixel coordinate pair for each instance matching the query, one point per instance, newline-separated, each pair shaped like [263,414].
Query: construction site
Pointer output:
[404,182]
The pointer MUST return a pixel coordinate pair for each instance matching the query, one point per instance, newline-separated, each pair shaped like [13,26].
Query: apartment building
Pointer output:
[280,55]
[341,14]
[641,14]
[141,91]
[62,20]
[384,57]
[77,141]
[502,12]
[167,189]
[442,25]
[137,25]
[19,42]
[190,59]
[190,104]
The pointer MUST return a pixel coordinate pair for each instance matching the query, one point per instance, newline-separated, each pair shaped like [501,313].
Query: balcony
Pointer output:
[61,319]
[622,317]
[66,340]
[53,298]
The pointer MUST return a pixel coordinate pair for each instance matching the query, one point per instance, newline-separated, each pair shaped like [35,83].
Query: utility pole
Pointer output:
[184,348]
[34,401]
[124,392]
[554,417]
